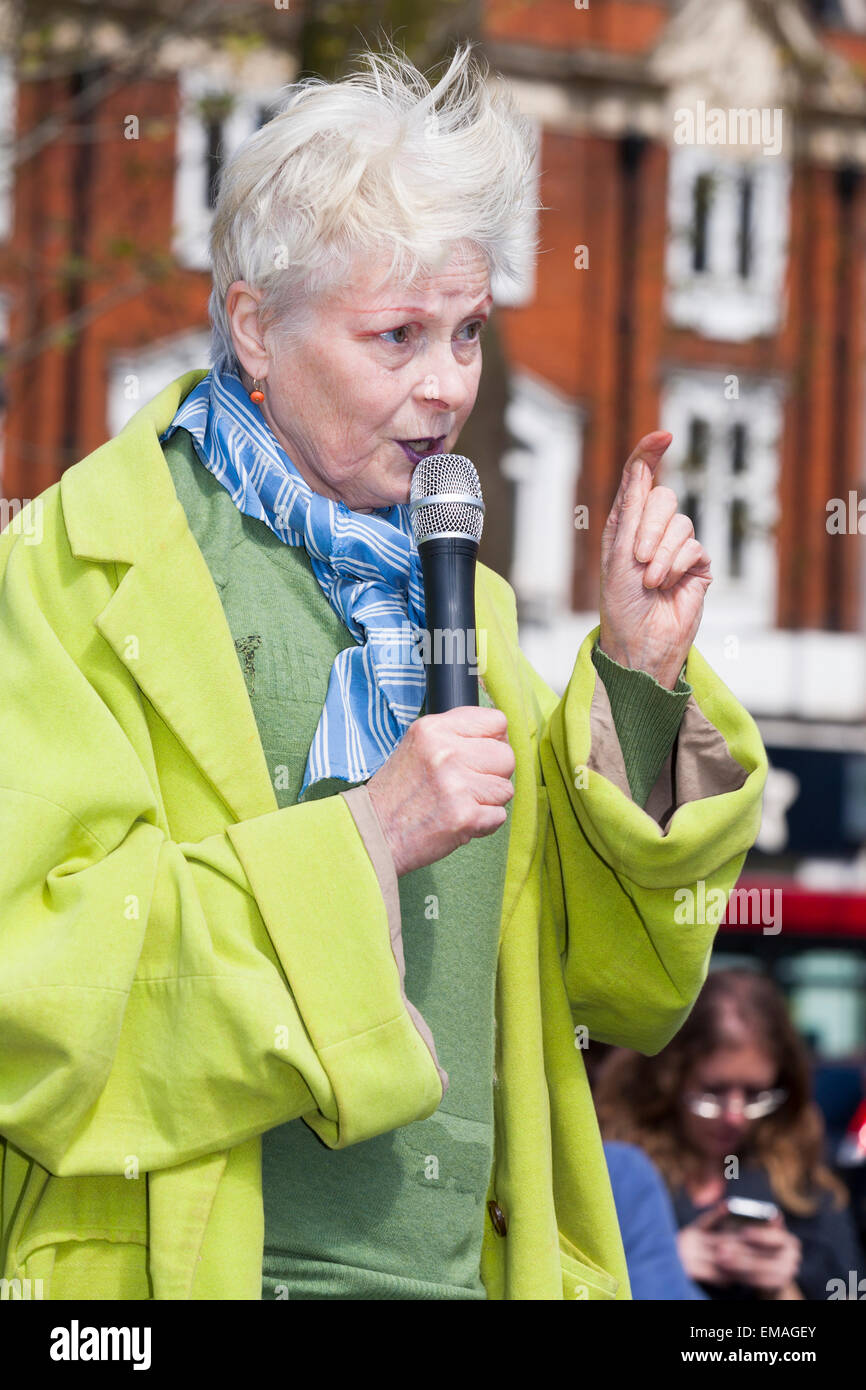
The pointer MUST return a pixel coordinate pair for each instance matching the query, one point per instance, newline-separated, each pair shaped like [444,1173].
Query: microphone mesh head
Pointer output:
[445,498]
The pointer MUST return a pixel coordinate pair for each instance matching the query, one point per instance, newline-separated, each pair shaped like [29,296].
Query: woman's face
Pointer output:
[377,366]
[734,1076]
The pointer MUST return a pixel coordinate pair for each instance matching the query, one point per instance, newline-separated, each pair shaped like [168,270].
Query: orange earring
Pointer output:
[256,395]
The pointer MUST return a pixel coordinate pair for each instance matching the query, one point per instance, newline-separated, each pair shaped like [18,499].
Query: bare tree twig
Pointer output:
[117,73]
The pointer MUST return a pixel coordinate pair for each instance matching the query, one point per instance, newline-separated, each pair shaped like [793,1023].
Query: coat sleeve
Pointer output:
[637,902]
[164,999]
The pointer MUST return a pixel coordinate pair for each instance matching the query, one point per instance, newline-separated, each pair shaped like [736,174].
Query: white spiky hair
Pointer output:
[380,161]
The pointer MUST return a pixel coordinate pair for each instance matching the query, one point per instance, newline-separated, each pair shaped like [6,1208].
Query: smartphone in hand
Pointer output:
[745,1213]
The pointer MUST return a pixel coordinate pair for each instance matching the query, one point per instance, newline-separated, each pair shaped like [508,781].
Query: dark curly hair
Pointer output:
[638,1097]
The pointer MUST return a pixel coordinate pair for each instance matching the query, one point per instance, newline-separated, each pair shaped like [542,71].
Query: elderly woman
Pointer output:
[296,976]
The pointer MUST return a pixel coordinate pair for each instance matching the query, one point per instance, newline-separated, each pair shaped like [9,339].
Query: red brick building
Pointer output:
[715,290]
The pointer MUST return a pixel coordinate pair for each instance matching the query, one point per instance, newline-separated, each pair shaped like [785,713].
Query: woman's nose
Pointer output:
[734,1103]
[447,383]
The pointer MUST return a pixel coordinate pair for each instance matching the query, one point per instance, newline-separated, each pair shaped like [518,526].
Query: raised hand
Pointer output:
[654,572]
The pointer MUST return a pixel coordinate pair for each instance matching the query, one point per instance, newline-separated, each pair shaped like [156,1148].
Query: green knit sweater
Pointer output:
[400,1215]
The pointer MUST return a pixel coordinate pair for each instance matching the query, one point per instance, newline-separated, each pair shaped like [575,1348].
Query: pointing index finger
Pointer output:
[637,482]
[648,451]
[651,448]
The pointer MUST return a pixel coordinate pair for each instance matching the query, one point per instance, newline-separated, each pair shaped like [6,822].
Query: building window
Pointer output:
[727,491]
[544,466]
[694,469]
[214,111]
[727,242]
[737,525]
[213,122]
[723,464]
[744,230]
[702,194]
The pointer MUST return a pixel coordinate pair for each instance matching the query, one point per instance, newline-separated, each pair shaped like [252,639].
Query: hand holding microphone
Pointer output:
[447,781]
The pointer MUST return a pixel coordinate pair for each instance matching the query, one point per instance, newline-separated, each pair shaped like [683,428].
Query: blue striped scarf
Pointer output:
[367,565]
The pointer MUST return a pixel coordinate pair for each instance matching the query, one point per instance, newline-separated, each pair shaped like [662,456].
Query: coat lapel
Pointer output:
[165,620]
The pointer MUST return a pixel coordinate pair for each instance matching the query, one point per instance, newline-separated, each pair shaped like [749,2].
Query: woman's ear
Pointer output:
[242,311]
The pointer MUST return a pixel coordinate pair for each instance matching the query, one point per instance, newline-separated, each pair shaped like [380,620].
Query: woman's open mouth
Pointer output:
[417,449]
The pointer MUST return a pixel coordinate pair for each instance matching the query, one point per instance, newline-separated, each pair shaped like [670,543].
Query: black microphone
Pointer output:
[447,514]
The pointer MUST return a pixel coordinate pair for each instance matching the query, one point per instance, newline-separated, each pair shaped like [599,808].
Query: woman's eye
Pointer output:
[400,336]
[478,325]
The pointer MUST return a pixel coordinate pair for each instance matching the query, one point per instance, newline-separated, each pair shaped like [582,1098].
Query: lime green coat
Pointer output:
[184,965]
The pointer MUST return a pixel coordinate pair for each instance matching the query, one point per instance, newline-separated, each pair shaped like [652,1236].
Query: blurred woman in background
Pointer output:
[724,1111]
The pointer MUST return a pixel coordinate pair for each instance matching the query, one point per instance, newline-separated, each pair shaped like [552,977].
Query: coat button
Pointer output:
[497,1216]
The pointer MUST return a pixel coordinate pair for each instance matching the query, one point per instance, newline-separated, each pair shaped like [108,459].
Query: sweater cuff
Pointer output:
[646,715]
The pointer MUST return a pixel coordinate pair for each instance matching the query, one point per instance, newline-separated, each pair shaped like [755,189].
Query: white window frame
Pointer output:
[748,601]
[717,301]
[544,466]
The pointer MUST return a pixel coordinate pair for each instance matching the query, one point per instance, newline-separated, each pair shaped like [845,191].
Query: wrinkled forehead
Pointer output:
[460,283]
